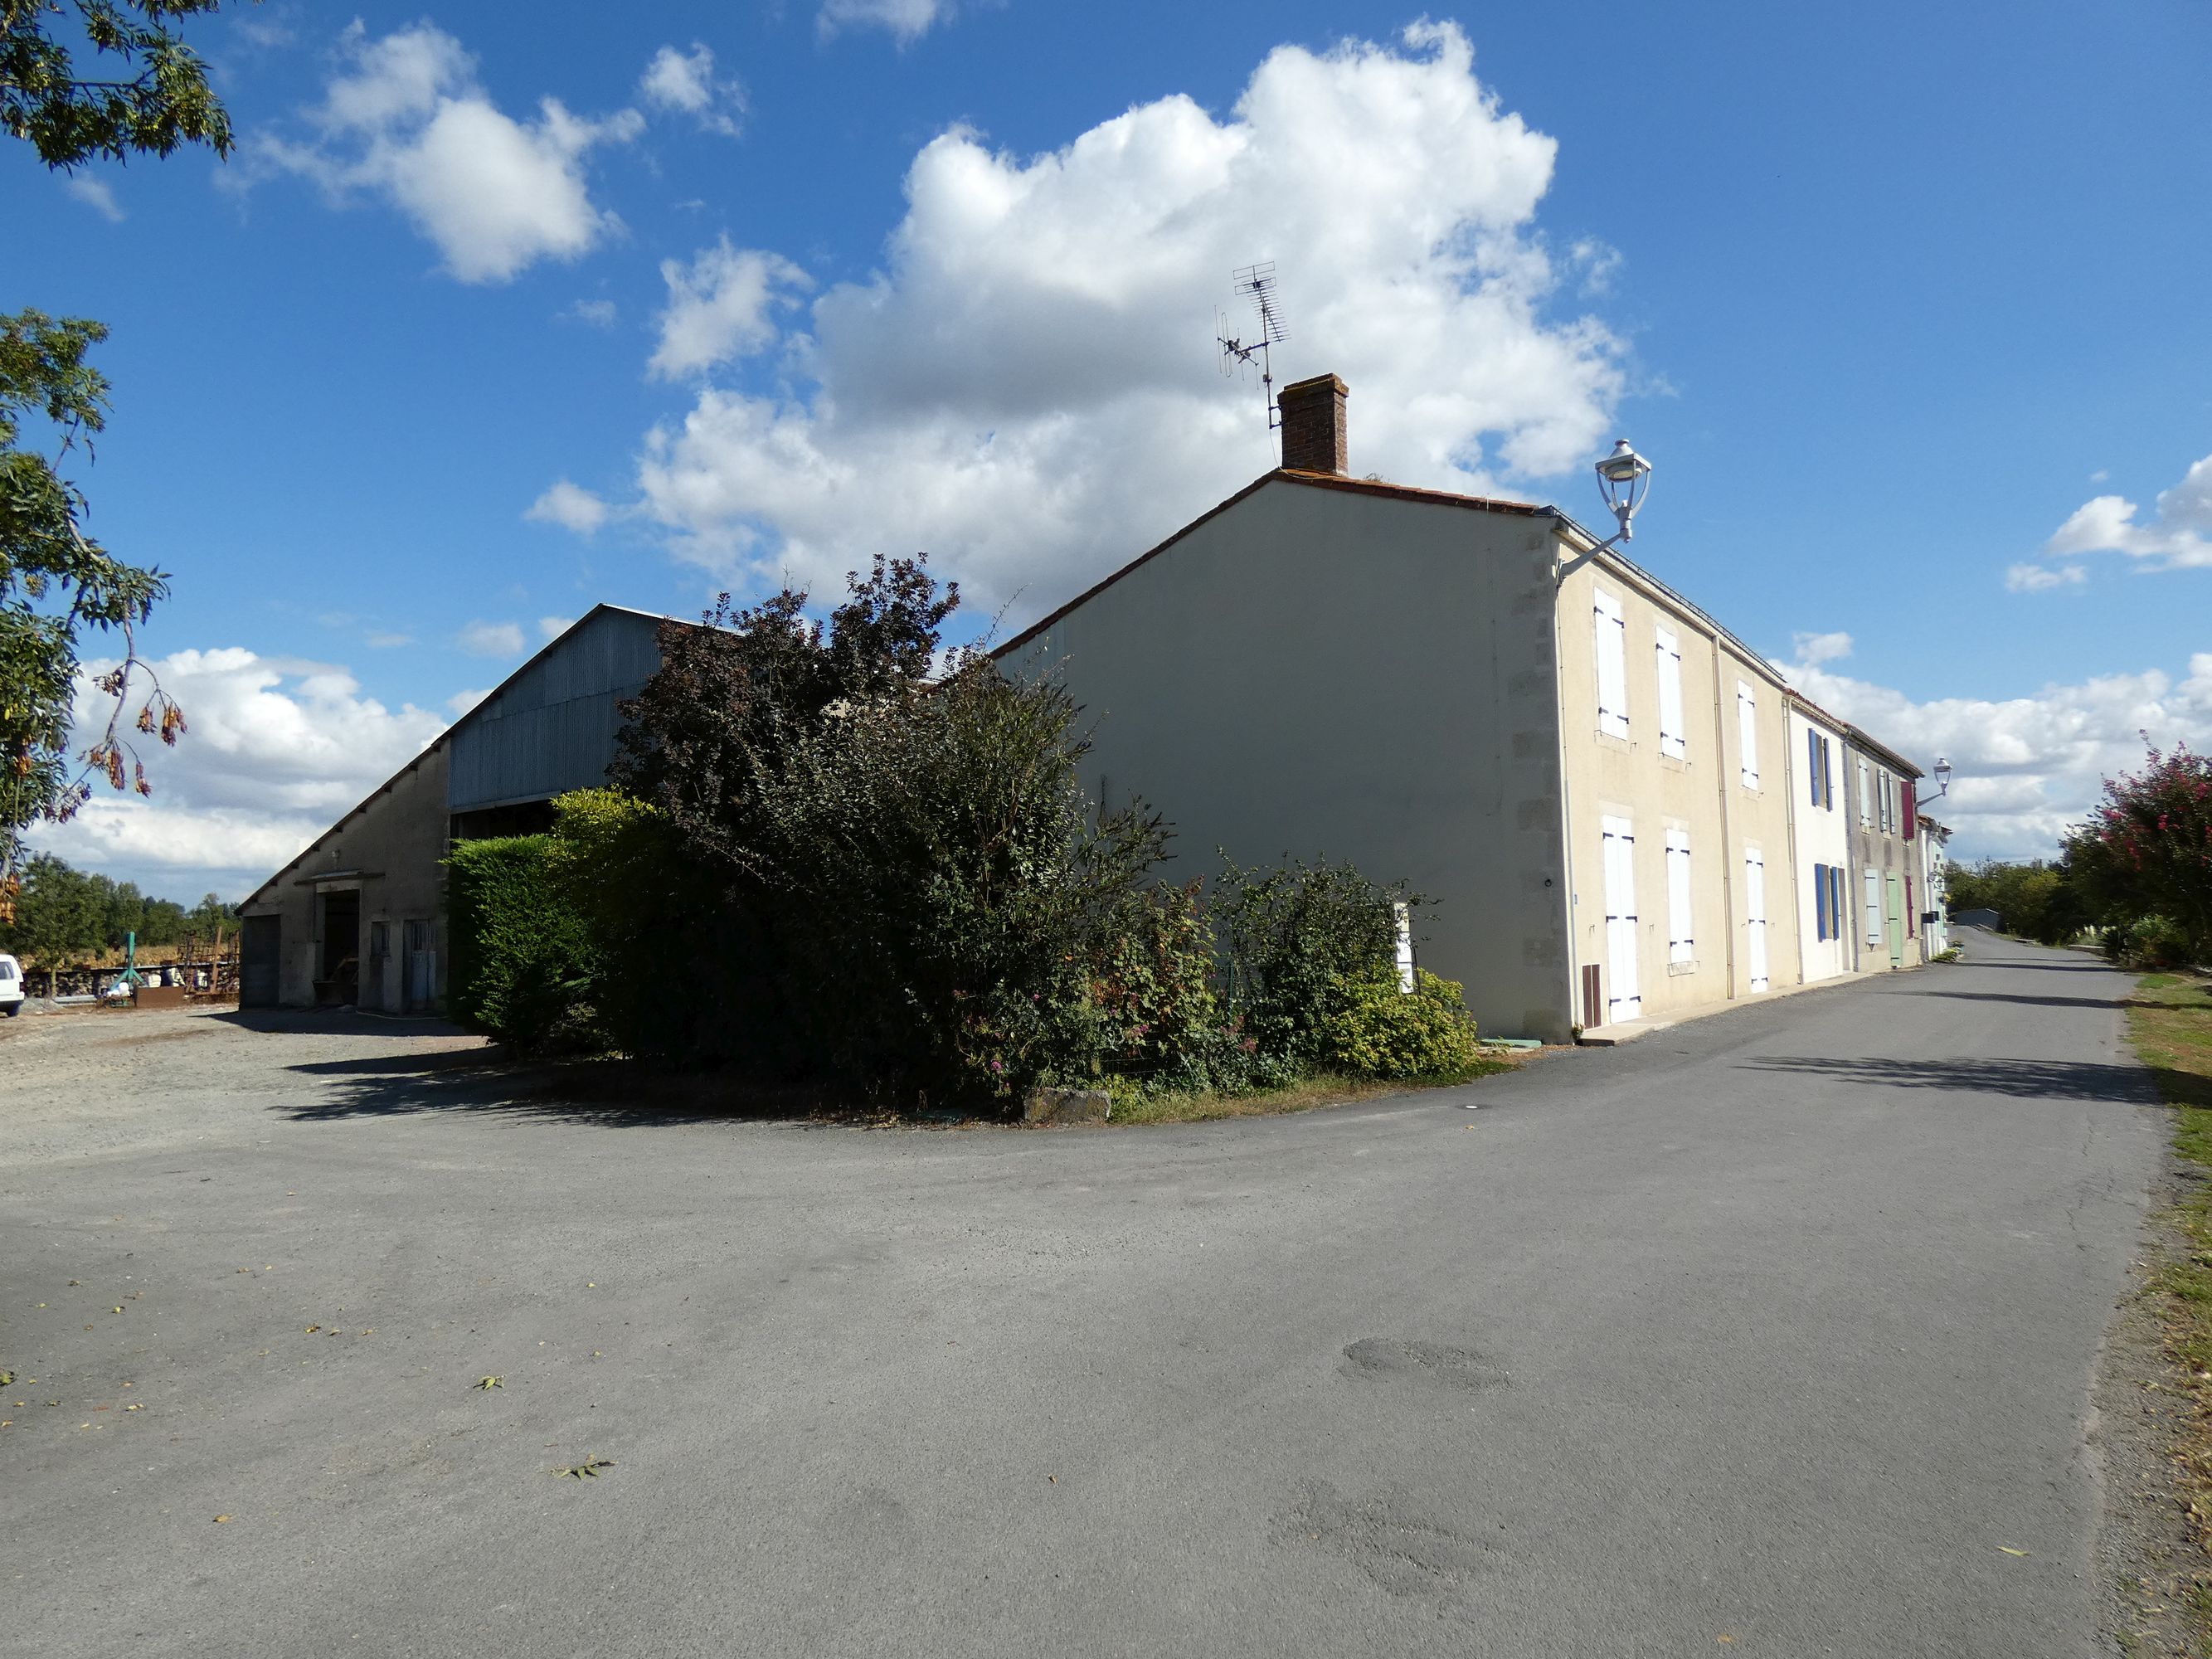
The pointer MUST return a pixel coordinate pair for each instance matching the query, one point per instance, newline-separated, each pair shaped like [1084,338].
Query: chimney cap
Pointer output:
[1317,383]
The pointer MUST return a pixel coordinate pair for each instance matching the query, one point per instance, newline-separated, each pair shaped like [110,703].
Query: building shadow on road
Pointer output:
[2022,1079]
[608,1093]
[2023,996]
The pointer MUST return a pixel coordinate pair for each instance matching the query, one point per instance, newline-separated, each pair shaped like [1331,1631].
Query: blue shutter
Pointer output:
[1819,900]
[1813,764]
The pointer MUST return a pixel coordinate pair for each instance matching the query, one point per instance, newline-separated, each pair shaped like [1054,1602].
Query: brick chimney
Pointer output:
[1313,425]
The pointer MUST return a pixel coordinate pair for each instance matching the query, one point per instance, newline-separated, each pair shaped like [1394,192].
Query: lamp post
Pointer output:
[1624,478]
[1943,776]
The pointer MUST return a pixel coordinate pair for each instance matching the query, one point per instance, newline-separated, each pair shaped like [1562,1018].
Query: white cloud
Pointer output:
[906,20]
[724,304]
[1597,261]
[2040,579]
[407,120]
[483,639]
[685,81]
[2178,535]
[2027,767]
[1821,647]
[2100,474]
[387,642]
[599,313]
[276,750]
[461,702]
[1027,389]
[570,506]
[95,194]
[552,628]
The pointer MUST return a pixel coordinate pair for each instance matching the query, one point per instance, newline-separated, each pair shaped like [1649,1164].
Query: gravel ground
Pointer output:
[87,1081]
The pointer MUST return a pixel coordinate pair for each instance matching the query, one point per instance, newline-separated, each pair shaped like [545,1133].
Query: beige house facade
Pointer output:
[1590,780]
[1825,899]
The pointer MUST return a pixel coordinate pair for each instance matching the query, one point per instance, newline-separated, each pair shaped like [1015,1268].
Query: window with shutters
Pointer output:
[1866,795]
[1820,902]
[1813,764]
[1672,742]
[1612,667]
[1747,720]
[1874,907]
[1827,779]
[1835,901]
[1680,948]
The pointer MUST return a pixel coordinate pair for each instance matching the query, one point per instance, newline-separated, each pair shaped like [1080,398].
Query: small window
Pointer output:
[1672,742]
[1747,715]
[1679,947]
[1612,667]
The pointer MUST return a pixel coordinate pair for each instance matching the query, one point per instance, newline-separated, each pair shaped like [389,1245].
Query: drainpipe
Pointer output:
[1790,785]
[1727,836]
[1568,898]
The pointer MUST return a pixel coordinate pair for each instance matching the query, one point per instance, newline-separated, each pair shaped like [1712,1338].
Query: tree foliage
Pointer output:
[2146,851]
[54,582]
[156,99]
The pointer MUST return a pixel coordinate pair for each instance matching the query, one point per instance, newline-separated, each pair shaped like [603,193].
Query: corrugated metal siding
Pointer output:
[553,729]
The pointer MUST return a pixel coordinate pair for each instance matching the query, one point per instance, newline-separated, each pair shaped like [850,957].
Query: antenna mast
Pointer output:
[1257,283]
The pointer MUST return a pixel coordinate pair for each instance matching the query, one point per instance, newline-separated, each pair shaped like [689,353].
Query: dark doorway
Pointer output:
[338,978]
[258,955]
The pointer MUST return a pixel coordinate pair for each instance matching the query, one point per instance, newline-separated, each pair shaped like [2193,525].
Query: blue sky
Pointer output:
[1906,307]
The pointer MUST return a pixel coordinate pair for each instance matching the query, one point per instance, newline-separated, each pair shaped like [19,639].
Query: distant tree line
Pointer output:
[64,915]
[2138,873]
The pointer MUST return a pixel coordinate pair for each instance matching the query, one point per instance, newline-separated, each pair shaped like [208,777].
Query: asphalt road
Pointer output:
[1769,1334]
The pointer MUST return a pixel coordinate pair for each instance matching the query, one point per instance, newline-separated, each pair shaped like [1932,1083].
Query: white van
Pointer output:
[11,988]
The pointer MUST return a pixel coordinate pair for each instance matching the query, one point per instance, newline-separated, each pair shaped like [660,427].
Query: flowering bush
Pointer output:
[2147,850]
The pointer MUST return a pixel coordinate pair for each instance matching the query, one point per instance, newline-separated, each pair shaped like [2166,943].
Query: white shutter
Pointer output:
[1612,667]
[1866,793]
[1754,916]
[1624,997]
[1669,654]
[1746,720]
[1679,946]
[1872,907]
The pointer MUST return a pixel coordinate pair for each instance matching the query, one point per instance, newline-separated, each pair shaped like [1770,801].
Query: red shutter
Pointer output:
[1911,810]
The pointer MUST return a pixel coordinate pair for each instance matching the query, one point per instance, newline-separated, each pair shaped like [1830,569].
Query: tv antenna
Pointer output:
[1256,283]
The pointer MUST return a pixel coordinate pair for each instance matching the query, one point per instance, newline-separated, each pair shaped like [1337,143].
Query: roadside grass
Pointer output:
[1323,1088]
[2170,1019]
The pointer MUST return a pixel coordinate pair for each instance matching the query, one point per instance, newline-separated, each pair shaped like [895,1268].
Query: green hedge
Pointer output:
[523,961]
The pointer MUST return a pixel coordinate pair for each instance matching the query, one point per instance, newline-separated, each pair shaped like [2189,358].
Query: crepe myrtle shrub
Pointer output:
[523,962]
[2146,851]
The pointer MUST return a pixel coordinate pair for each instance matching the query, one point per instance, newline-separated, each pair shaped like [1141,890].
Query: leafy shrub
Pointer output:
[522,954]
[1296,942]
[661,981]
[1152,987]
[1380,1030]
[2147,942]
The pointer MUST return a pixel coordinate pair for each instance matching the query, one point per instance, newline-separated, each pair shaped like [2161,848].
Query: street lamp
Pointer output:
[1624,478]
[1943,776]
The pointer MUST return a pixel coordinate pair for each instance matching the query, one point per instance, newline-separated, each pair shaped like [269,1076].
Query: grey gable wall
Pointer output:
[552,727]
[1324,673]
